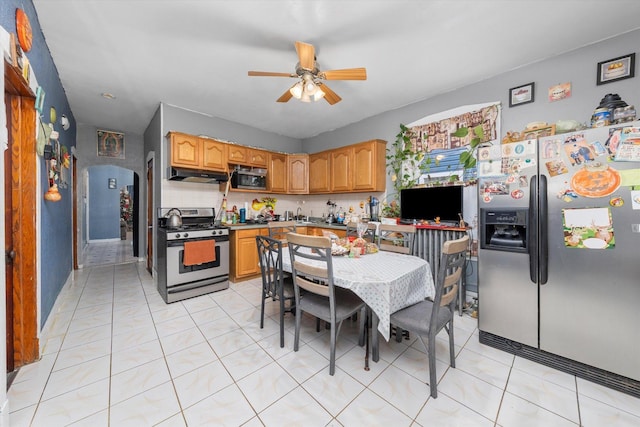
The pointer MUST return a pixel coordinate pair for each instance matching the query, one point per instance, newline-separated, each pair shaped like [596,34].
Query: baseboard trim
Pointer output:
[581,370]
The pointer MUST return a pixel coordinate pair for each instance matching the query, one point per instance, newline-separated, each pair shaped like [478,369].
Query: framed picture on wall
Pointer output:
[615,69]
[111,144]
[520,95]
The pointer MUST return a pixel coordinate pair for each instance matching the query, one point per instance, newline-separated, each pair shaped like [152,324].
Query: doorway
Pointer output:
[110,220]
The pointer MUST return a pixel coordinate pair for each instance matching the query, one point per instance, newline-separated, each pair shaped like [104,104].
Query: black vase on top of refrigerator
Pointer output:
[558,257]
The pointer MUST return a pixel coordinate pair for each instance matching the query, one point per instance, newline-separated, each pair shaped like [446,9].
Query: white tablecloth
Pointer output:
[385,281]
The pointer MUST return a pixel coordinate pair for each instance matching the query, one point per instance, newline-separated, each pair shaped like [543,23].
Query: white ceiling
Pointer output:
[195,54]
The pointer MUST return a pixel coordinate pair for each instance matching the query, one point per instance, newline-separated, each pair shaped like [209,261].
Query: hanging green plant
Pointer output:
[467,158]
[402,161]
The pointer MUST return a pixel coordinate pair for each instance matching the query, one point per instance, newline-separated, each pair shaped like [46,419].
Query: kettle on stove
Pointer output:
[174,219]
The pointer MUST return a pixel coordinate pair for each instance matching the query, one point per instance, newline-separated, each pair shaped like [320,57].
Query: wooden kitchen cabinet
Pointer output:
[319,172]
[341,169]
[186,150]
[237,154]
[317,231]
[240,155]
[197,153]
[277,174]
[258,158]
[244,263]
[297,174]
[369,166]
[214,154]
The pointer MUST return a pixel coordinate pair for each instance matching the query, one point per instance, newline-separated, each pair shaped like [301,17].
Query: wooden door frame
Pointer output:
[22,134]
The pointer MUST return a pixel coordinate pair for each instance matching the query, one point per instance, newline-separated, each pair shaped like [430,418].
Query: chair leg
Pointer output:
[332,356]
[433,378]
[281,322]
[296,339]
[452,352]
[317,324]
[399,334]
[363,319]
[262,310]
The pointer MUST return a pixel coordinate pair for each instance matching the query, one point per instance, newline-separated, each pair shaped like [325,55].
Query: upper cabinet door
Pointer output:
[341,165]
[277,173]
[237,154]
[319,172]
[185,150]
[258,158]
[214,155]
[369,166]
[298,176]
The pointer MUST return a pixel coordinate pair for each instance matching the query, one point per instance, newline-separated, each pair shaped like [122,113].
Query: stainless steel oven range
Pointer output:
[198,270]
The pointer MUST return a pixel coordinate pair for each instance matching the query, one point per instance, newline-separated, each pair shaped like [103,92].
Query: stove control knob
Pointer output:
[177,235]
[217,232]
[186,235]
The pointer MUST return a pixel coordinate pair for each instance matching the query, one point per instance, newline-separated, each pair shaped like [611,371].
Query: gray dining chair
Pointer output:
[276,285]
[396,238]
[279,229]
[312,271]
[427,318]
[369,235]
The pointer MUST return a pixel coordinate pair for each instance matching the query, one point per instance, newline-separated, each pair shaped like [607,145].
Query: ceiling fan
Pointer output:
[311,86]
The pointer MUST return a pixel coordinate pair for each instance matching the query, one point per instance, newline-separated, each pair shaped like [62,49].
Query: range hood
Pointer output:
[195,175]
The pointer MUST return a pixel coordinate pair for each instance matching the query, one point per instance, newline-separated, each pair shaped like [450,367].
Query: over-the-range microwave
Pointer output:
[249,178]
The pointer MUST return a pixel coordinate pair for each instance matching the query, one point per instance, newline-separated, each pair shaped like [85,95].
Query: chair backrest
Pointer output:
[270,258]
[279,229]
[449,274]
[369,235]
[311,264]
[396,238]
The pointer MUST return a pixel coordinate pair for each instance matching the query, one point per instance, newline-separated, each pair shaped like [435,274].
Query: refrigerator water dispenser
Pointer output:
[504,229]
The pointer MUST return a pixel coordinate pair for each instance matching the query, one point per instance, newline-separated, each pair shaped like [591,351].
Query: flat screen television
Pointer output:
[430,202]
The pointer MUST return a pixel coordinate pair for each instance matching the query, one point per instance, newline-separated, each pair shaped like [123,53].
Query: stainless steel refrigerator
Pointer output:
[559,252]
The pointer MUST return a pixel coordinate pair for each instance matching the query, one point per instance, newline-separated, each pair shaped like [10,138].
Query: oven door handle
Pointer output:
[195,285]
[180,243]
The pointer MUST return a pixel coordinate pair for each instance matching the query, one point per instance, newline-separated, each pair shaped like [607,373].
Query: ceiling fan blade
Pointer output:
[346,74]
[285,96]
[270,74]
[330,95]
[306,55]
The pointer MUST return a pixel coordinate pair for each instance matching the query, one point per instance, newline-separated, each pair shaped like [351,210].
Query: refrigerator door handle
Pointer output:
[532,232]
[543,220]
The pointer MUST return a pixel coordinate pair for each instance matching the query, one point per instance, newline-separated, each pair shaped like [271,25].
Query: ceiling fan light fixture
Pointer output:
[318,95]
[297,90]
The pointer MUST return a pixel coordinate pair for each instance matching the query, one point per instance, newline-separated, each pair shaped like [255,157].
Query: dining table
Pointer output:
[385,281]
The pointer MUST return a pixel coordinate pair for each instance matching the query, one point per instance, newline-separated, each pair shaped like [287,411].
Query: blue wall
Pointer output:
[104,203]
[55,220]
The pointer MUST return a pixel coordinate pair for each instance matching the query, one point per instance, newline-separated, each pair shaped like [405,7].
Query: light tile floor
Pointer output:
[103,253]
[117,355]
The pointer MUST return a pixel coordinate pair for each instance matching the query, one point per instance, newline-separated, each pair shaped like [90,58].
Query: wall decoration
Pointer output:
[615,69]
[578,150]
[23,28]
[635,200]
[40,99]
[590,228]
[628,147]
[110,144]
[437,134]
[520,95]
[111,182]
[559,92]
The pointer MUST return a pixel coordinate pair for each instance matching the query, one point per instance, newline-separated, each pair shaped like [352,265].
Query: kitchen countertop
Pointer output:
[248,226]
